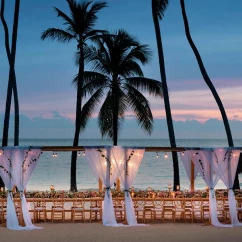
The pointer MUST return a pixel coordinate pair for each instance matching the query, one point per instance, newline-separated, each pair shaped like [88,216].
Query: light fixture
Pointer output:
[166,156]
[54,154]
[182,152]
[52,188]
[79,153]
[157,155]
[178,188]
[84,153]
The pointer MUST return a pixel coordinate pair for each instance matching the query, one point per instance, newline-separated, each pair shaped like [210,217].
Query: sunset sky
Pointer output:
[45,69]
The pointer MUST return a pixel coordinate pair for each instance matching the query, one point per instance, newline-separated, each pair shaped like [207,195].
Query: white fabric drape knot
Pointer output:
[133,158]
[215,164]
[108,164]
[105,163]
[17,165]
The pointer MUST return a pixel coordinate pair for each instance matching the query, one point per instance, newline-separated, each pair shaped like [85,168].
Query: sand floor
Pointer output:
[87,232]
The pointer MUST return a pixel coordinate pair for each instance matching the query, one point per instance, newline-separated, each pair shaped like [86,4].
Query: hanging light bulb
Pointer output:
[182,152]
[84,153]
[79,153]
[53,154]
[166,156]
[157,155]
[56,154]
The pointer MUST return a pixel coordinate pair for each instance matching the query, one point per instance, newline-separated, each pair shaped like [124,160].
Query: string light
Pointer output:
[84,153]
[166,156]
[53,154]
[157,155]
[79,153]
[182,152]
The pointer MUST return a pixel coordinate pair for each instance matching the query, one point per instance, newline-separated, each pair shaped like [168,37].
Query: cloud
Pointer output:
[58,127]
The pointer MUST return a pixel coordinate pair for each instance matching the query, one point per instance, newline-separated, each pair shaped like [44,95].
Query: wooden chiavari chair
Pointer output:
[205,209]
[196,208]
[78,207]
[157,210]
[149,209]
[239,205]
[39,210]
[119,207]
[58,209]
[139,206]
[95,206]
[168,209]
[2,210]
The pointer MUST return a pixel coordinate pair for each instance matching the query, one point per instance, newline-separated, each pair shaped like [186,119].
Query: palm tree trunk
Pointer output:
[115,113]
[209,83]
[166,97]
[12,85]
[13,55]
[73,187]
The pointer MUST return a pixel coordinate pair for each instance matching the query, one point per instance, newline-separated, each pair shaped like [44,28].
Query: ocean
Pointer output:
[154,172]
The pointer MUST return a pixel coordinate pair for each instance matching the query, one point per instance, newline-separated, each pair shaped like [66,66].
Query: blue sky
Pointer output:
[45,69]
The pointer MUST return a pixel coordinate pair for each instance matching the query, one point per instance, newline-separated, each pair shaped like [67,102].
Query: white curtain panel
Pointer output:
[225,163]
[203,160]
[132,160]
[6,171]
[186,160]
[105,164]
[23,161]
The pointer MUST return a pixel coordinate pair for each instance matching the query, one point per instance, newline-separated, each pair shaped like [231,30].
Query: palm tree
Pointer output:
[79,27]
[12,84]
[117,80]
[209,83]
[158,9]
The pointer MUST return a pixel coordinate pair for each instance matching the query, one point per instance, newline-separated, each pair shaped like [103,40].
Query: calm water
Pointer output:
[153,172]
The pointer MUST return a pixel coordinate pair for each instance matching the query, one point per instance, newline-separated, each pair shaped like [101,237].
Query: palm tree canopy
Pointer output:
[160,6]
[118,79]
[80,23]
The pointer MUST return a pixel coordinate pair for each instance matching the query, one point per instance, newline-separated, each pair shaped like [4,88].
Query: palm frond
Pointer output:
[105,117]
[130,68]
[91,82]
[140,53]
[89,107]
[160,7]
[153,87]
[141,108]
[57,34]
[91,15]
[98,58]
[67,19]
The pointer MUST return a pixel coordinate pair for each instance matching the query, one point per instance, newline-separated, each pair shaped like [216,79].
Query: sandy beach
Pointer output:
[167,232]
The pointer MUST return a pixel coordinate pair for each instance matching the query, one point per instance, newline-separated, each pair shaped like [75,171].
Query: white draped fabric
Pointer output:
[106,163]
[133,158]
[225,163]
[187,160]
[203,160]
[17,165]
